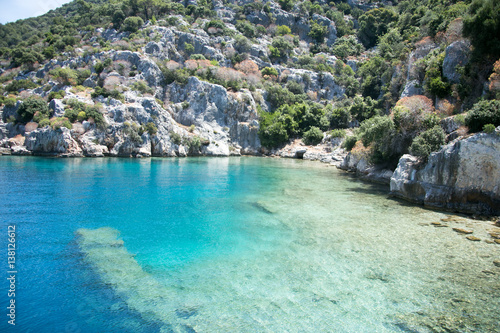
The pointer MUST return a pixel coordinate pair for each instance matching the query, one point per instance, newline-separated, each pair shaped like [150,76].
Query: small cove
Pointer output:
[236,245]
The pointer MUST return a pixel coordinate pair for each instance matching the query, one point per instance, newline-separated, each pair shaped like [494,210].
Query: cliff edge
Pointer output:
[463,176]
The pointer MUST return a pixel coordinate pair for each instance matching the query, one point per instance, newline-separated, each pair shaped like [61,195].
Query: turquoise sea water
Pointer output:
[234,245]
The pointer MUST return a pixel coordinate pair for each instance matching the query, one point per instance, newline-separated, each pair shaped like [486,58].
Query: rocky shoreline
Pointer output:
[464,176]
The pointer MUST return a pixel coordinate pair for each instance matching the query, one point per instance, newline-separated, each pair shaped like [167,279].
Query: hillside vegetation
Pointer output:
[391,70]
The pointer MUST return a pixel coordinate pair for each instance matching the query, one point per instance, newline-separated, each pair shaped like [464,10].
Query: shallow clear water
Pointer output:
[234,245]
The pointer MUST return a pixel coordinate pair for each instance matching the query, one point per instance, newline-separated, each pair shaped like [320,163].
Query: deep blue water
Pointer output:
[244,244]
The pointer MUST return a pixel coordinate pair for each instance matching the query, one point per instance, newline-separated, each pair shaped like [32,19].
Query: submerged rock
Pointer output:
[462,231]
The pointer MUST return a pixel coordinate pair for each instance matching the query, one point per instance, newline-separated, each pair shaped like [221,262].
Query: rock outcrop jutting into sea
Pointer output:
[463,176]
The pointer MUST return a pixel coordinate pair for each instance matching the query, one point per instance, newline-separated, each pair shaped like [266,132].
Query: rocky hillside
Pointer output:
[199,77]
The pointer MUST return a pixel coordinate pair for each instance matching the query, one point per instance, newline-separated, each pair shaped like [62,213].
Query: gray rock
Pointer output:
[449,124]
[323,84]
[353,64]
[331,35]
[57,107]
[153,48]
[90,82]
[359,163]
[52,142]
[90,148]
[14,129]
[457,54]
[463,176]
[112,35]
[412,88]
[3,130]
[20,150]
[11,111]
[219,116]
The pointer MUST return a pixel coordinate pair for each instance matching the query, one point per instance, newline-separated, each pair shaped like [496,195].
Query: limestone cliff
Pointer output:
[463,176]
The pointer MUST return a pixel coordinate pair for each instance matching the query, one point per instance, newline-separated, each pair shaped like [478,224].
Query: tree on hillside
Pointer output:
[482,26]
[373,24]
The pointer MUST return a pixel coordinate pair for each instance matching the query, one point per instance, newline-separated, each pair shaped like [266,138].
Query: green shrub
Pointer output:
[194,144]
[176,75]
[286,4]
[281,47]
[374,129]
[81,116]
[313,136]
[340,118]
[378,133]
[44,122]
[65,76]
[189,48]
[489,128]
[278,96]
[459,119]
[98,91]
[58,122]
[347,46]
[56,95]
[318,32]
[427,142]
[482,26]
[283,30]
[197,57]
[175,138]
[99,67]
[142,87]
[31,106]
[82,75]
[482,113]
[132,132]
[337,133]
[151,128]
[438,87]
[350,142]
[246,28]
[132,24]
[373,24]
[10,102]
[272,130]
[79,111]
[17,85]
[269,71]
[363,108]
[94,113]
[295,87]
[216,27]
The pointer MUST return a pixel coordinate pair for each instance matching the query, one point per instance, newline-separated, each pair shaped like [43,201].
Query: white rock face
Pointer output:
[48,141]
[226,119]
[323,84]
[463,176]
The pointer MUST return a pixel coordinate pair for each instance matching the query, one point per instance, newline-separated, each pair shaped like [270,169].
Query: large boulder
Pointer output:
[359,163]
[463,176]
[457,54]
[57,107]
